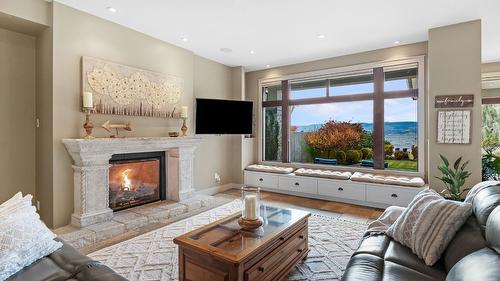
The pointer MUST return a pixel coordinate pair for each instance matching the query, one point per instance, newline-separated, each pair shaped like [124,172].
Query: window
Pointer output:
[490,131]
[366,118]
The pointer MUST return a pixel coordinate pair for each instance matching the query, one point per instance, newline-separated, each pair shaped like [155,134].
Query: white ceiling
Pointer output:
[282,32]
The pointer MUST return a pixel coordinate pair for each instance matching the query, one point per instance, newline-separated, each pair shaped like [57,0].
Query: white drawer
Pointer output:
[299,184]
[399,196]
[261,179]
[342,189]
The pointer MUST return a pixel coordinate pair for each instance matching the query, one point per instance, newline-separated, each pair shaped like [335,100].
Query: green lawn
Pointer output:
[402,164]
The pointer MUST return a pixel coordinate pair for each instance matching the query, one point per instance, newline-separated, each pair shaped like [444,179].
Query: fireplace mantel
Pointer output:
[91,170]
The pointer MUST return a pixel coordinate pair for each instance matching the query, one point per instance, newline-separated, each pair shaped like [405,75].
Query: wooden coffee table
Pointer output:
[222,251]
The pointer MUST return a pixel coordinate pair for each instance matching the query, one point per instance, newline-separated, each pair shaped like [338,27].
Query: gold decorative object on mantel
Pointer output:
[88,106]
[108,127]
[124,90]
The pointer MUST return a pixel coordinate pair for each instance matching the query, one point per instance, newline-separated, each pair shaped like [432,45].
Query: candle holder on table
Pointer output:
[184,128]
[250,212]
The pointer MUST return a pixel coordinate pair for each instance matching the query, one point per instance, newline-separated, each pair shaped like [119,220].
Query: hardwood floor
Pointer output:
[315,204]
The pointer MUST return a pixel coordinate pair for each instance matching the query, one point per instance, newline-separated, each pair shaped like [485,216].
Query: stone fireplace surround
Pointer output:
[91,171]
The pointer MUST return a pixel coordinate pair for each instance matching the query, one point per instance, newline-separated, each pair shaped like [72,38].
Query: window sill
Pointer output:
[347,169]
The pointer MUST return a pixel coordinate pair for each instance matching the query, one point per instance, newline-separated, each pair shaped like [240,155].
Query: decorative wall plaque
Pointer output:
[454,126]
[125,90]
[453,101]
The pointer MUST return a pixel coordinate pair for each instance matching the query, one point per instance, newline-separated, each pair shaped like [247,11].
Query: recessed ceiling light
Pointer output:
[268,66]
[225,50]
[396,42]
[252,52]
[111,9]
[321,36]
[184,39]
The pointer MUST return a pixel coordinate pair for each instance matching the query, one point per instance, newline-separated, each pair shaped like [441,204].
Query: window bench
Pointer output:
[354,192]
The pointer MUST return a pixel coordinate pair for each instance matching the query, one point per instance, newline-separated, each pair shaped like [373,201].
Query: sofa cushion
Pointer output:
[24,238]
[493,230]
[323,174]
[66,264]
[416,227]
[485,201]
[481,265]
[270,169]
[468,239]
[394,180]
[381,258]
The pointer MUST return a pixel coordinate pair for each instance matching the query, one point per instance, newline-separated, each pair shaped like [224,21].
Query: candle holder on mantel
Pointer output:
[88,125]
[184,128]
[250,212]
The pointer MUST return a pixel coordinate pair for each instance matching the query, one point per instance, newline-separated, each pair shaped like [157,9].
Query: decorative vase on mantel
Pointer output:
[250,212]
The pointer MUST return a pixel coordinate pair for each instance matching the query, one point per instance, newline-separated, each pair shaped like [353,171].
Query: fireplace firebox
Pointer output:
[136,179]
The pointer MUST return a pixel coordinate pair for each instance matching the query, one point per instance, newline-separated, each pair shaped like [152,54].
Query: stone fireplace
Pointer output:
[136,179]
[95,174]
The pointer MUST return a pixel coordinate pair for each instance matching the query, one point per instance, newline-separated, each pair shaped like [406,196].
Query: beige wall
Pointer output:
[78,34]
[252,78]
[216,153]
[36,11]
[17,113]
[455,68]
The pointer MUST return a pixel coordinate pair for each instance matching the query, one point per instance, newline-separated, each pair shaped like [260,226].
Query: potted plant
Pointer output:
[453,178]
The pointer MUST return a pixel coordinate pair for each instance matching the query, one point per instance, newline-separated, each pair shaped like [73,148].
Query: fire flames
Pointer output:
[126,182]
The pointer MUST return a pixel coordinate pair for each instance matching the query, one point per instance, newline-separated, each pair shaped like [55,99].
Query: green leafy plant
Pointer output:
[490,166]
[454,178]
[367,153]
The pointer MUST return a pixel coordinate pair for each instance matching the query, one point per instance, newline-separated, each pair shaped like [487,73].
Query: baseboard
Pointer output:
[219,188]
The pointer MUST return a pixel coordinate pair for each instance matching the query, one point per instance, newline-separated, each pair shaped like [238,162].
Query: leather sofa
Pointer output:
[66,264]
[473,254]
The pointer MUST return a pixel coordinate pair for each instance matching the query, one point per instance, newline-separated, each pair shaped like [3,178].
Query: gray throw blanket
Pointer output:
[388,217]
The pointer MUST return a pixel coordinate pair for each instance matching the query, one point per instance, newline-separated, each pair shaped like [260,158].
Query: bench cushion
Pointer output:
[393,180]
[270,169]
[323,174]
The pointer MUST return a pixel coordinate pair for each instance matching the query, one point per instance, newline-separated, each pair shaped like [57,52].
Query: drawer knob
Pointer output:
[341,189]
[261,179]
[282,238]
[299,250]
[297,183]
[394,195]
[261,269]
[301,236]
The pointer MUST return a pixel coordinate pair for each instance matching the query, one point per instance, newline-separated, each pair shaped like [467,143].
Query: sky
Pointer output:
[396,110]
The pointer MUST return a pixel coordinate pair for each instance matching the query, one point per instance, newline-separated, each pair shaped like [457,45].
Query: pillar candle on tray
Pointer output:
[251,207]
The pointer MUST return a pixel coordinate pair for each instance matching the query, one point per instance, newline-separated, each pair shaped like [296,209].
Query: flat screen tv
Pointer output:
[217,117]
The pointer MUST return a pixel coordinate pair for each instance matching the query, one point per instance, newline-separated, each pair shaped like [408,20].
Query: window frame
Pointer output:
[352,70]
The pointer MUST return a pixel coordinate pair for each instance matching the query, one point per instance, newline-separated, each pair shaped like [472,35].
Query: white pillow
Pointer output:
[428,224]
[24,238]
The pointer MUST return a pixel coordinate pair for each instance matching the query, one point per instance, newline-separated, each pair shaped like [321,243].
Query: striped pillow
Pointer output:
[429,224]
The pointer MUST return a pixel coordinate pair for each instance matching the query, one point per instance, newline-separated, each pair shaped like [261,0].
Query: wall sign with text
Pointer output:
[454,126]
[453,101]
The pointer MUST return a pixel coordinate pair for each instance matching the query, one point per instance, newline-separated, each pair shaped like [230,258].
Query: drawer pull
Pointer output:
[297,183]
[282,238]
[394,195]
[301,236]
[261,179]
[261,269]
[299,250]
[341,189]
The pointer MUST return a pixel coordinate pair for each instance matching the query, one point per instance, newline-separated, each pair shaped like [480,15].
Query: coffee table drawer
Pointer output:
[279,258]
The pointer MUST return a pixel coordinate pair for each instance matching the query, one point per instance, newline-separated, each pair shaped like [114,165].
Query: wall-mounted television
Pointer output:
[217,117]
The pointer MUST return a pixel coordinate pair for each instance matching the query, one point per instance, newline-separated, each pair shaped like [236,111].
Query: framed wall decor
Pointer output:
[453,101]
[454,126]
[123,90]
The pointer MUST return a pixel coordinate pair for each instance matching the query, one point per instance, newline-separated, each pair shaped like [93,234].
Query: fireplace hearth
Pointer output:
[136,179]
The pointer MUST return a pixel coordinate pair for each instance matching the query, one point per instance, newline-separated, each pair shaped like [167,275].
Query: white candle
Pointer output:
[251,207]
[184,112]
[87,100]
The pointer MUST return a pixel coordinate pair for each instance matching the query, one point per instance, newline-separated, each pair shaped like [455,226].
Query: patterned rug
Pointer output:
[153,256]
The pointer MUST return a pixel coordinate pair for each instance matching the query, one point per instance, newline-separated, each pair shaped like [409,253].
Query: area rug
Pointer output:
[153,256]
